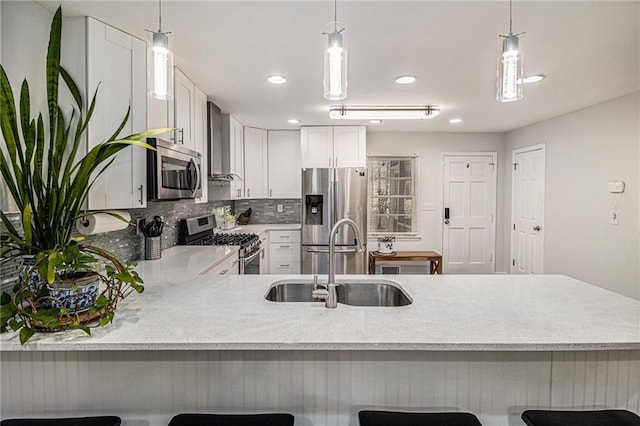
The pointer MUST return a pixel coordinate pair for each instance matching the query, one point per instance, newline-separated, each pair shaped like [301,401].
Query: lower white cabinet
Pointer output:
[228,266]
[284,252]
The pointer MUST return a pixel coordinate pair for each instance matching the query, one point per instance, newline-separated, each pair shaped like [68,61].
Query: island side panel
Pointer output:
[319,387]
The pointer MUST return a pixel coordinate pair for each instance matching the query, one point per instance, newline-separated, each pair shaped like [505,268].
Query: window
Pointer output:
[392,196]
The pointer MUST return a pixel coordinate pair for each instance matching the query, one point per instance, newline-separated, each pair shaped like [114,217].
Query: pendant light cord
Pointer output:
[159,16]
[335,15]
[510,18]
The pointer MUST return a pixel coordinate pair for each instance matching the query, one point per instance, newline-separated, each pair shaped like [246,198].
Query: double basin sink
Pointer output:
[349,292]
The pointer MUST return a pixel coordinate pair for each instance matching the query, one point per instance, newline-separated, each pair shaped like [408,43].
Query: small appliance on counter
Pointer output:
[199,231]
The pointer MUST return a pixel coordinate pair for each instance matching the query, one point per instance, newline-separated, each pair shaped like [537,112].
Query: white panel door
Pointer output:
[285,177]
[316,145]
[349,146]
[470,195]
[116,62]
[255,163]
[184,102]
[528,191]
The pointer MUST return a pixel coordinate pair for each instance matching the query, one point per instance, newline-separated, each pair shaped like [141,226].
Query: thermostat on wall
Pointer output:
[616,187]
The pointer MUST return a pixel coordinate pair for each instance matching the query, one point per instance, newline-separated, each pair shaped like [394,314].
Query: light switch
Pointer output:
[429,206]
[616,187]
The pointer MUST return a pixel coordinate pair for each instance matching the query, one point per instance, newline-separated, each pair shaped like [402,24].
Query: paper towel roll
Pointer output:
[102,222]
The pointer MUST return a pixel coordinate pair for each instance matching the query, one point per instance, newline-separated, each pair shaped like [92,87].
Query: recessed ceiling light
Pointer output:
[276,79]
[455,120]
[293,121]
[533,78]
[375,121]
[406,79]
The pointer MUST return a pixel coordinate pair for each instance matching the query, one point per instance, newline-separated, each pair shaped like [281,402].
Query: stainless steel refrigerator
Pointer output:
[329,195]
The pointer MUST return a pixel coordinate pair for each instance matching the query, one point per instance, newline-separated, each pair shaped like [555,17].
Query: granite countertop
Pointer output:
[260,228]
[182,310]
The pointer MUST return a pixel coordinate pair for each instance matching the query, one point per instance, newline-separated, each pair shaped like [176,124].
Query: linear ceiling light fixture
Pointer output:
[383,112]
[510,69]
[335,61]
[160,62]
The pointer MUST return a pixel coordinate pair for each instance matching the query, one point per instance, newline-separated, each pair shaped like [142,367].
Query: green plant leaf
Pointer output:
[73,87]
[101,302]
[53,68]
[5,298]
[25,334]
[16,325]
[7,311]
[82,327]
[26,225]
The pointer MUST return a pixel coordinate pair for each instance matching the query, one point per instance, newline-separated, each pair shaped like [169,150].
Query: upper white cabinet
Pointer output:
[200,138]
[96,54]
[255,163]
[340,146]
[285,176]
[184,110]
[232,153]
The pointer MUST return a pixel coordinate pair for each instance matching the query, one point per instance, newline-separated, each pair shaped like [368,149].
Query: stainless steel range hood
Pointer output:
[218,147]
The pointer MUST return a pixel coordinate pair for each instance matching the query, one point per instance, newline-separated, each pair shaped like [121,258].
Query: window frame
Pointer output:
[415,214]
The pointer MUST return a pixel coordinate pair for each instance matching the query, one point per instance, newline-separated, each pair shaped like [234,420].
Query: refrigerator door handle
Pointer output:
[338,250]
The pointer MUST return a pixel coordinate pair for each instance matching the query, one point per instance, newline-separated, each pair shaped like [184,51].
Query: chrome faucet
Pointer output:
[331,300]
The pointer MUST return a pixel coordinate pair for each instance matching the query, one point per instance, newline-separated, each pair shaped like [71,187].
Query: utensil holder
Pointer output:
[152,248]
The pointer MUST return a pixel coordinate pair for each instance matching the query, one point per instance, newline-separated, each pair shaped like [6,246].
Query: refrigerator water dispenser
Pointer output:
[313,209]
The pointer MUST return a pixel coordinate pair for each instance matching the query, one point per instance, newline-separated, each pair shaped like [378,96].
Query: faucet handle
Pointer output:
[321,294]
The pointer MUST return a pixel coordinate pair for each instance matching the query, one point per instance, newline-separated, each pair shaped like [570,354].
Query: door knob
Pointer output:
[537,228]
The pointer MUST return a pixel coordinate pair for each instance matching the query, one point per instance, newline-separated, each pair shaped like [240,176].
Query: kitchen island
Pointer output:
[492,344]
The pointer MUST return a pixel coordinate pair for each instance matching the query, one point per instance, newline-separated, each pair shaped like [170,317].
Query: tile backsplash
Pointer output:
[266,211]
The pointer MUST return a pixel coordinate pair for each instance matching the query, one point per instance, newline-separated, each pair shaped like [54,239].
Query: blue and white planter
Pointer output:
[76,294]
[35,281]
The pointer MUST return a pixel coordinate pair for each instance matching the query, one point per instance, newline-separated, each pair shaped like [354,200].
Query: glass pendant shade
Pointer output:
[160,67]
[510,70]
[335,68]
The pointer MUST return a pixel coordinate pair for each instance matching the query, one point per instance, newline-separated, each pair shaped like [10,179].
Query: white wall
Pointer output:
[24,36]
[430,146]
[584,151]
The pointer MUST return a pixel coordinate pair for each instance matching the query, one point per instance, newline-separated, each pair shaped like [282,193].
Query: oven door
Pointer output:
[175,172]
[250,265]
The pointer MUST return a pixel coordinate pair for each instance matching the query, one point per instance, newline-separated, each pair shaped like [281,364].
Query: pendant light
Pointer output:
[510,69]
[159,62]
[335,62]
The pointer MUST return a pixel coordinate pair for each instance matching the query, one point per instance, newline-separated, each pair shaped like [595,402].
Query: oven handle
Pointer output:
[253,256]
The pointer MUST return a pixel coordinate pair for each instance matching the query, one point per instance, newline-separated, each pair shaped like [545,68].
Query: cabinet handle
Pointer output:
[235,262]
[330,163]
[181,132]
[271,193]
[238,193]
[224,271]
[284,266]
[336,162]
[248,192]
[285,236]
[285,246]
[141,190]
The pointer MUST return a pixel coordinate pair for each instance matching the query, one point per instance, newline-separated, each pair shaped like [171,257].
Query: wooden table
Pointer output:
[435,259]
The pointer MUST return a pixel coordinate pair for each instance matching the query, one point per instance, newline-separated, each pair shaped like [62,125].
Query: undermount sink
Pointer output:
[349,292]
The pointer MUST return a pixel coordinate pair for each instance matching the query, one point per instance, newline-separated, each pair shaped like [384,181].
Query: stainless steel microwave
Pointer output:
[173,171]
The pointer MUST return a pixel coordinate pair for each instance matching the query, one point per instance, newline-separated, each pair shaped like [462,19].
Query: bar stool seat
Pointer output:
[273,419]
[69,421]
[582,418]
[393,418]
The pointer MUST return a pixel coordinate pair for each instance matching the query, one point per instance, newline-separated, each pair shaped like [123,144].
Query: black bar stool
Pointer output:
[582,418]
[274,419]
[393,418]
[70,421]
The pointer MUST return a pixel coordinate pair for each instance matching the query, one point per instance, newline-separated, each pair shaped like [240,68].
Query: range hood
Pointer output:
[218,151]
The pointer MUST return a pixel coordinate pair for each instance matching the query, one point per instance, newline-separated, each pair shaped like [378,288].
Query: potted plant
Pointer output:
[385,243]
[49,181]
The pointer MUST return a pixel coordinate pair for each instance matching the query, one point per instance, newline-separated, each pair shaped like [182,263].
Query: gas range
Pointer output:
[201,231]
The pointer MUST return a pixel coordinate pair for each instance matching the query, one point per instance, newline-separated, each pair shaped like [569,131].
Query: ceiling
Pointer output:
[589,51]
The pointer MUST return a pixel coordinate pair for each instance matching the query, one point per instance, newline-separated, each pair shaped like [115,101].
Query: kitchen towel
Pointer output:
[96,223]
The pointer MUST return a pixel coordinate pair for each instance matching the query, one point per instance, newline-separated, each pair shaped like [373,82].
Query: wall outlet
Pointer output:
[280,209]
[615,217]
[139,223]
[616,187]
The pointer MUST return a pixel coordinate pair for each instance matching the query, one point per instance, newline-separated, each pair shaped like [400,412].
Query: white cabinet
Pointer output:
[255,163]
[284,252]
[285,175]
[232,153]
[200,138]
[340,146]
[184,109]
[229,266]
[100,56]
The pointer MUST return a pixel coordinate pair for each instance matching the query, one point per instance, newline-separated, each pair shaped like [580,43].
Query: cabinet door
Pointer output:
[236,158]
[255,163]
[349,146]
[316,145]
[285,176]
[116,62]
[184,103]
[200,132]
